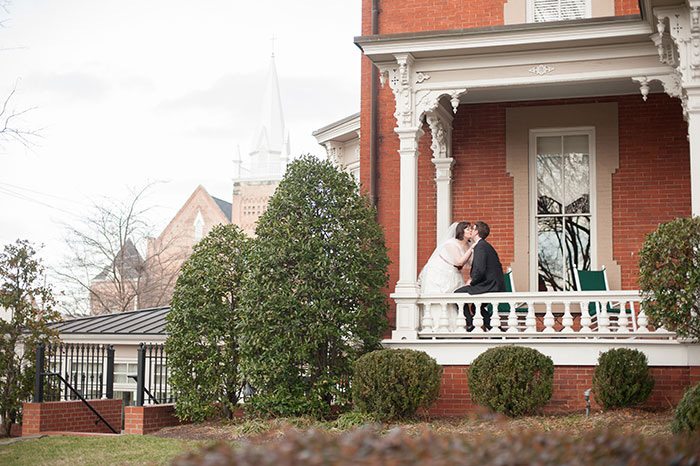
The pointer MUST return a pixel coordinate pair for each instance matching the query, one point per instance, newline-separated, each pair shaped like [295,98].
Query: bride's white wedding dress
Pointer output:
[440,274]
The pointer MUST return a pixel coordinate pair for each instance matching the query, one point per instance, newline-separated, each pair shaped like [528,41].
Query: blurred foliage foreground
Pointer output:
[366,446]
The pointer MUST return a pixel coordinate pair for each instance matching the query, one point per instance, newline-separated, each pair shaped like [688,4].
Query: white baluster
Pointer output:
[512,319]
[495,320]
[478,320]
[622,320]
[585,317]
[460,321]
[427,322]
[444,322]
[603,319]
[531,320]
[642,321]
[548,319]
[567,321]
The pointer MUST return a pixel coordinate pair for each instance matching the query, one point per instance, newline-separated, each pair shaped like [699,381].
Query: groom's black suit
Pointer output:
[487,277]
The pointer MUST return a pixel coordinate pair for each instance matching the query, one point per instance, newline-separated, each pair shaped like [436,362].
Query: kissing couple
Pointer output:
[464,246]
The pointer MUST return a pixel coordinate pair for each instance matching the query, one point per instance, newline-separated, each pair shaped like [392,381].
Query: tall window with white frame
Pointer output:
[540,11]
[561,165]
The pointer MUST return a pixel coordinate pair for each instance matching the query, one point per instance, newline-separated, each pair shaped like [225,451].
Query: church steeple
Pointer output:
[269,150]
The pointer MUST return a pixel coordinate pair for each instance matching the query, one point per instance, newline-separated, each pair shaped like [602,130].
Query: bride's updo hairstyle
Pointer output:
[459,232]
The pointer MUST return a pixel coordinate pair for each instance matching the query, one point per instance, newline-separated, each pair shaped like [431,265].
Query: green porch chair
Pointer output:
[595,280]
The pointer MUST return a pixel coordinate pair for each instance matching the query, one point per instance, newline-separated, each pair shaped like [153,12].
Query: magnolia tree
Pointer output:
[28,306]
[202,342]
[312,301]
[669,276]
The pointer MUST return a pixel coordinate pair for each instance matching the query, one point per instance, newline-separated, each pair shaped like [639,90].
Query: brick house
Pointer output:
[572,129]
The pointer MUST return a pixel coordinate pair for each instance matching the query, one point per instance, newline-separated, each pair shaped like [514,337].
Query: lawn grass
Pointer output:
[69,450]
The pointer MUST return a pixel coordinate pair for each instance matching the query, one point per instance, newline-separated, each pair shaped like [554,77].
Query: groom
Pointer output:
[486,273]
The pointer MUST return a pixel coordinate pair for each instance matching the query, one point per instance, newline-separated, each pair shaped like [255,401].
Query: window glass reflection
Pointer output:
[549,254]
[578,247]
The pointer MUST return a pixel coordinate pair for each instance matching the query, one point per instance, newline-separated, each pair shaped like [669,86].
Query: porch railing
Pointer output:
[86,369]
[613,314]
[152,385]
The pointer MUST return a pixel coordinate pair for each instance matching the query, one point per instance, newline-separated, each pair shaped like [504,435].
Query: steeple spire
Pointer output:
[270,146]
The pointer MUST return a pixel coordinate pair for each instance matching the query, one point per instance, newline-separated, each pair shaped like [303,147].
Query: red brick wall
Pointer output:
[652,185]
[70,416]
[434,15]
[144,419]
[569,384]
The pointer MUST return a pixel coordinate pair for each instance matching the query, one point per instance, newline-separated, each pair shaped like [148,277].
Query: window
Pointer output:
[540,11]
[561,167]
[198,226]
[121,372]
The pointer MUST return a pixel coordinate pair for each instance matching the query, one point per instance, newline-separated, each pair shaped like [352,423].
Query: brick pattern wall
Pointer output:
[145,419]
[434,15]
[570,382]
[70,416]
[652,185]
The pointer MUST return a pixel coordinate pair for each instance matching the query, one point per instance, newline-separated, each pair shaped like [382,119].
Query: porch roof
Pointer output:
[141,322]
[381,48]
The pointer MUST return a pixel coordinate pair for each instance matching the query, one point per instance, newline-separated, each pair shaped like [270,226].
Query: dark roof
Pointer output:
[130,257]
[224,206]
[142,322]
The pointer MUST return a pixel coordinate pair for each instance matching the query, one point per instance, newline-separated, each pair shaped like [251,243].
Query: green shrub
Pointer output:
[369,447]
[514,380]
[687,415]
[202,343]
[669,276]
[622,378]
[313,301]
[394,384]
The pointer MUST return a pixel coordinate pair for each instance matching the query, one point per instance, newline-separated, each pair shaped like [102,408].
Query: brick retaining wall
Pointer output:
[145,419]
[70,416]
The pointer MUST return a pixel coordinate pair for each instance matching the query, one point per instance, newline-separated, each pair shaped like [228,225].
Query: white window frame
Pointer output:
[531,10]
[544,132]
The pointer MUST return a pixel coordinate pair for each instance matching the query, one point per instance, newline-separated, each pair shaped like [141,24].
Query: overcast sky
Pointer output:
[128,92]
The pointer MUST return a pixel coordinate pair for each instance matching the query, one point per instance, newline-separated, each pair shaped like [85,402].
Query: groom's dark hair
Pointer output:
[483,229]
[459,232]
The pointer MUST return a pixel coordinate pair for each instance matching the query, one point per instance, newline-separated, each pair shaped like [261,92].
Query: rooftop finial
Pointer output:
[273,38]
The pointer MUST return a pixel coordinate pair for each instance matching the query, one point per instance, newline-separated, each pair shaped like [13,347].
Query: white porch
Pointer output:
[433,75]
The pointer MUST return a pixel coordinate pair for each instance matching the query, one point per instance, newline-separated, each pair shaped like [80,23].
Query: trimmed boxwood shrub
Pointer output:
[514,380]
[369,447]
[687,415]
[622,378]
[395,383]
[669,276]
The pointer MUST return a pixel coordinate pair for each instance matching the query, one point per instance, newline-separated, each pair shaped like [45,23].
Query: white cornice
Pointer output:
[342,130]
[383,49]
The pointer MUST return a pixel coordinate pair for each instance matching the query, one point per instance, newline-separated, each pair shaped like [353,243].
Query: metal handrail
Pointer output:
[80,396]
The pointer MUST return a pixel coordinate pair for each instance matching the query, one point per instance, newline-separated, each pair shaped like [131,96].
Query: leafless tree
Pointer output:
[115,264]
[12,128]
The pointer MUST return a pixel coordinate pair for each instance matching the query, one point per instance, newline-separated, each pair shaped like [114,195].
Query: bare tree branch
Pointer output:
[106,272]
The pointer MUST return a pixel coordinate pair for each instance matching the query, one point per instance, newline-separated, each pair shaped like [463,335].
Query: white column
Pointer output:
[408,210]
[443,194]
[693,106]
[440,122]
[406,292]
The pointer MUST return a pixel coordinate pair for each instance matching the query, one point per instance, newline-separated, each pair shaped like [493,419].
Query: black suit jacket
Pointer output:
[487,271]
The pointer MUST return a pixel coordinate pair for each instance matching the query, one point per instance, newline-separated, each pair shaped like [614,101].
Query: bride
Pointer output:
[442,273]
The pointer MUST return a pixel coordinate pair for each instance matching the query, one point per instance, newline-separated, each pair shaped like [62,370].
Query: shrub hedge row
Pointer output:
[367,447]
